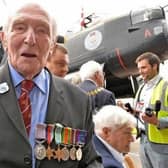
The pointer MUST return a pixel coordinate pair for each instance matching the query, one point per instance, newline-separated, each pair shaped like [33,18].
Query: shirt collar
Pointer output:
[39,80]
[153,81]
[117,155]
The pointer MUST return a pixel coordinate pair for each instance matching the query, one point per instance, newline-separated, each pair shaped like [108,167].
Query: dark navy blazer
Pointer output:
[104,97]
[108,159]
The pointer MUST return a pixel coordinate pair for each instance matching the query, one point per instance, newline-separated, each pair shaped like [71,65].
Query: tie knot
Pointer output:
[27,85]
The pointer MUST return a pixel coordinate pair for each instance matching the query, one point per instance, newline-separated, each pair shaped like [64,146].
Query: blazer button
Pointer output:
[28,160]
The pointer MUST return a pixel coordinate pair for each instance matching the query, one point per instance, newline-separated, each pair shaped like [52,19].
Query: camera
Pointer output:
[129,108]
[149,112]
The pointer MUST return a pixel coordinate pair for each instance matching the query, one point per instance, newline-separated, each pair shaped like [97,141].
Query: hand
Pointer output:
[120,104]
[151,120]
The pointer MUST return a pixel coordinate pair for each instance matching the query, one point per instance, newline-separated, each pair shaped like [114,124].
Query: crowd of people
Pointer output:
[52,122]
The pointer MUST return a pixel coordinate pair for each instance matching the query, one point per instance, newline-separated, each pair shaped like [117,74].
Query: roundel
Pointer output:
[93,40]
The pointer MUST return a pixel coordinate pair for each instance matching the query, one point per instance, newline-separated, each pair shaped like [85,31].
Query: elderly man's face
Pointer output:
[28,40]
[121,138]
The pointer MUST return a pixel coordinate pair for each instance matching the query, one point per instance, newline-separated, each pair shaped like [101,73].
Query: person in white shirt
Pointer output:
[153,127]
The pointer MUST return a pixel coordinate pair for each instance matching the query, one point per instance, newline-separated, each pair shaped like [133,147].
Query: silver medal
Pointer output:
[40,151]
[65,153]
[79,154]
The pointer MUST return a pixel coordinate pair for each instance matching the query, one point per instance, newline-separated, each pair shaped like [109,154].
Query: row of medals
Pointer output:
[61,153]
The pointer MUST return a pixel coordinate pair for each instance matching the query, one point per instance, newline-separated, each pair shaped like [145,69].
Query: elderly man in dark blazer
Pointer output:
[113,134]
[57,129]
[92,77]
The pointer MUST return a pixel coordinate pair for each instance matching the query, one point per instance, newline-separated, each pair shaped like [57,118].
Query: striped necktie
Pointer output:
[25,104]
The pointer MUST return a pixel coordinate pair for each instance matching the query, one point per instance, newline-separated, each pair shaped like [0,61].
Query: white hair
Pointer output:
[113,117]
[88,69]
[37,5]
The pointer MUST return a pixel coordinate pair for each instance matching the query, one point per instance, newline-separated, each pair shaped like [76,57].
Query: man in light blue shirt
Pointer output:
[61,125]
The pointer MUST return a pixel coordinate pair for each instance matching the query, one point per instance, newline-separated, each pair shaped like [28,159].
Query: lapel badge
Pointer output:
[4,87]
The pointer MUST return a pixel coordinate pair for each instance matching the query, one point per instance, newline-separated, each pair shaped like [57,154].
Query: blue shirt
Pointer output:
[38,96]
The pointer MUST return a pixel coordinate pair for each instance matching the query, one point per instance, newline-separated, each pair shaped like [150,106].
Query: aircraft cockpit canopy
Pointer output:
[144,15]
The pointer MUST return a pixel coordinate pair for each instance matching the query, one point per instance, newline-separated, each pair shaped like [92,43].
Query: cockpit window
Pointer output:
[146,15]
[166,12]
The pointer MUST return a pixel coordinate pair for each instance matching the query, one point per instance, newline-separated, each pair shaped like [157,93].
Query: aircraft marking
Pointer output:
[120,60]
[147,33]
[93,40]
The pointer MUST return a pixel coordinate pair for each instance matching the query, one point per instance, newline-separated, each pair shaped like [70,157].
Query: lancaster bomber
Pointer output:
[116,43]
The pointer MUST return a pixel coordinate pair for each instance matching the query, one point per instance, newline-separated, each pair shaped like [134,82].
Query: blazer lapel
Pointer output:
[55,106]
[55,103]
[12,109]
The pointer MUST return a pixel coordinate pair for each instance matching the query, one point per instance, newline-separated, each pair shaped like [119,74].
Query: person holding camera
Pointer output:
[152,105]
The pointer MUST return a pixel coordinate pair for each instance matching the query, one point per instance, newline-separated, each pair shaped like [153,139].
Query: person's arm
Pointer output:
[161,123]
[109,97]
[113,99]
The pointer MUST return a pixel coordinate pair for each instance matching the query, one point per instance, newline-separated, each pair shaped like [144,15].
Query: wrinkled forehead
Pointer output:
[33,12]
[27,16]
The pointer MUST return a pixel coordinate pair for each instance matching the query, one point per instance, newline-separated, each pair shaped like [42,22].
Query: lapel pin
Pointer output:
[4,87]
